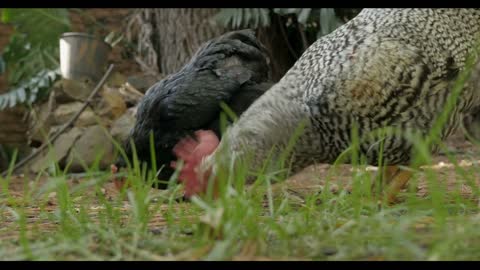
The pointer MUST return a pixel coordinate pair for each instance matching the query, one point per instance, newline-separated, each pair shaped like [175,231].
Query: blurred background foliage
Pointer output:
[160,41]
[31,58]
[309,23]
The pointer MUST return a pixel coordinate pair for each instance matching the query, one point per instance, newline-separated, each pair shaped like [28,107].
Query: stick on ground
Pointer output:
[67,125]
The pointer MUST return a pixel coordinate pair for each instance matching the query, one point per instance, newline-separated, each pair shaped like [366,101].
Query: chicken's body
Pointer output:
[386,67]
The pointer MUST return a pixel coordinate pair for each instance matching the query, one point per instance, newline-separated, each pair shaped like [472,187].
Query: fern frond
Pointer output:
[43,25]
[328,21]
[243,17]
[29,91]
[32,54]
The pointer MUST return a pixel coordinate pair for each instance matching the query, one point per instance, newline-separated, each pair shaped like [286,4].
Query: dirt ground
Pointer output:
[310,180]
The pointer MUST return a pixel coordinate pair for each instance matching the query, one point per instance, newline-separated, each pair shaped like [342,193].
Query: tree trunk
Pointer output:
[167,38]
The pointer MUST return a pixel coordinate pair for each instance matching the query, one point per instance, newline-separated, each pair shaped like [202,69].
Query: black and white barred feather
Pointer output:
[384,68]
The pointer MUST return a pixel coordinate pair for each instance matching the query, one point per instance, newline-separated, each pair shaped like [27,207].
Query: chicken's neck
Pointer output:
[265,132]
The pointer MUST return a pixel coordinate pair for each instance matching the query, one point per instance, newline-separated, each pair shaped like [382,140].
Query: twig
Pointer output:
[133,90]
[67,125]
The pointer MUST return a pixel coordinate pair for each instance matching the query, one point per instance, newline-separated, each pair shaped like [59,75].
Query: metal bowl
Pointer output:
[83,56]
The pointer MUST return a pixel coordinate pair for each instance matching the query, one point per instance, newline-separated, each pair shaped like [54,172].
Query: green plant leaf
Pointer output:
[243,17]
[34,45]
[2,103]
[12,98]
[239,18]
[265,16]
[286,11]
[303,15]
[223,16]
[31,57]
[328,21]
[256,16]
[248,15]
[31,90]
[43,25]
[6,15]
[21,94]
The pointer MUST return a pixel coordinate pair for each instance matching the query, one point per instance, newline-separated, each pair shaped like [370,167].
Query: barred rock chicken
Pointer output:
[385,67]
[232,69]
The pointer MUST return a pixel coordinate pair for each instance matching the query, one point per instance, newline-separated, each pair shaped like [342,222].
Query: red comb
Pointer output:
[192,152]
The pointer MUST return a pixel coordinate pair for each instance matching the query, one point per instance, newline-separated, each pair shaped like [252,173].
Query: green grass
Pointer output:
[242,225]
[255,222]
[59,220]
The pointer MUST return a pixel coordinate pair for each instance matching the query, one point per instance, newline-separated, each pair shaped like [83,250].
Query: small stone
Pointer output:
[77,90]
[65,112]
[60,95]
[86,118]
[112,105]
[116,80]
[156,231]
[59,151]
[42,119]
[122,126]
[329,251]
[142,82]
[93,145]
[52,199]
[131,95]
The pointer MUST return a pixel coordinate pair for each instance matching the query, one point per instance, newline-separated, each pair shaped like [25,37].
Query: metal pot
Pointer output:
[83,56]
